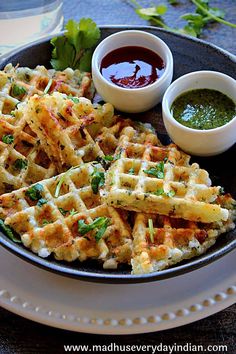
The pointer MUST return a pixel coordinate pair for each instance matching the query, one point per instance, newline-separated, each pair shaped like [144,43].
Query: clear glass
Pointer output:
[22,21]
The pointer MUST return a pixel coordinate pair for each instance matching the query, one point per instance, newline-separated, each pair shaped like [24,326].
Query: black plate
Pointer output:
[189,55]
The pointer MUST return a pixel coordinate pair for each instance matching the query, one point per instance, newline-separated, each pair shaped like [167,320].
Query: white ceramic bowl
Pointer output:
[200,142]
[125,99]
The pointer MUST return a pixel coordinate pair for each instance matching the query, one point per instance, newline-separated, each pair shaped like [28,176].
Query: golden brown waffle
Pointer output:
[48,224]
[19,83]
[61,124]
[112,136]
[161,241]
[154,179]
[22,160]
[75,132]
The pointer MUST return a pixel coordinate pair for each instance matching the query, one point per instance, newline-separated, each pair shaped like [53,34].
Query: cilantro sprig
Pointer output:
[75,48]
[100,224]
[196,21]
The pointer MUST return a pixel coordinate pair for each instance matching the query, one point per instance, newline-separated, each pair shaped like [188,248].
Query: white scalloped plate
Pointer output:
[115,309]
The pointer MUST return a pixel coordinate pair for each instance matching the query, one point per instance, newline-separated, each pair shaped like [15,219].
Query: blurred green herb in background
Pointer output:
[196,21]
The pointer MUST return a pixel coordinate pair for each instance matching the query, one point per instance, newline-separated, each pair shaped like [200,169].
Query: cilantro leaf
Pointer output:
[18,90]
[34,192]
[41,202]
[221,191]
[73,212]
[8,139]
[157,171]
[131,171]
[75,48]
[159,191]
[63,54]
[108,158]
[100,223]
[9,232]
[73,99]
[196,21]
[170,194]
[20,164]
[46,222]
[98,180]
[63,211]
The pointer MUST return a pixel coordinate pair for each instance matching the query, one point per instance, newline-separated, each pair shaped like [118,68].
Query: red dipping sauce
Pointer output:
[132,67]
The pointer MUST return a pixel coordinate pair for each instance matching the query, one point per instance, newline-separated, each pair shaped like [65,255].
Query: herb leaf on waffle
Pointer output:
[186,188]
[54,225]
[17,84]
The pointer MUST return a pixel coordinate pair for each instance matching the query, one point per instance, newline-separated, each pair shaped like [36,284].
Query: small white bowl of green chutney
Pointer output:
[199,112]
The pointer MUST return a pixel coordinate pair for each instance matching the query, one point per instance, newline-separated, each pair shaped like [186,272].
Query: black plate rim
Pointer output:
[59,269]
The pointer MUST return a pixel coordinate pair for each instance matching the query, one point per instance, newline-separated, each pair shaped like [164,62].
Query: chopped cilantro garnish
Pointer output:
[9,232]
[63,211]
[101,223]
[74,99]
[20,164]
[157,171]
[108,158]
[171,193]
[159,191]
[34,192]
[41,202]
[97,180]
[18,90]
[151,230]
[75,48]
[221,191]
[73,212]
[117,156]
[131,171]
[105,161]
[8,139]
[46,222]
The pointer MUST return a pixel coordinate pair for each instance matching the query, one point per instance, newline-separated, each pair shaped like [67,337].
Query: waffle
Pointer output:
[22,159]
[19,83]
[49,224]
[155,179]
[111,137]
[161,241]
[72,133]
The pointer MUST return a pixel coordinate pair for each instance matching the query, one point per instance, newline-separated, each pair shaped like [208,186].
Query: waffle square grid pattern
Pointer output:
[49,224]
[151,208]
[145,177]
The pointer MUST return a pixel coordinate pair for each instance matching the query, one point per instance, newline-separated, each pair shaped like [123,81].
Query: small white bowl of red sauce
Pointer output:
[132,69]
[199,112]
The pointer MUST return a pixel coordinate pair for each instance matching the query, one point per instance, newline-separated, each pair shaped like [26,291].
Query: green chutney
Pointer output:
[203,109]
